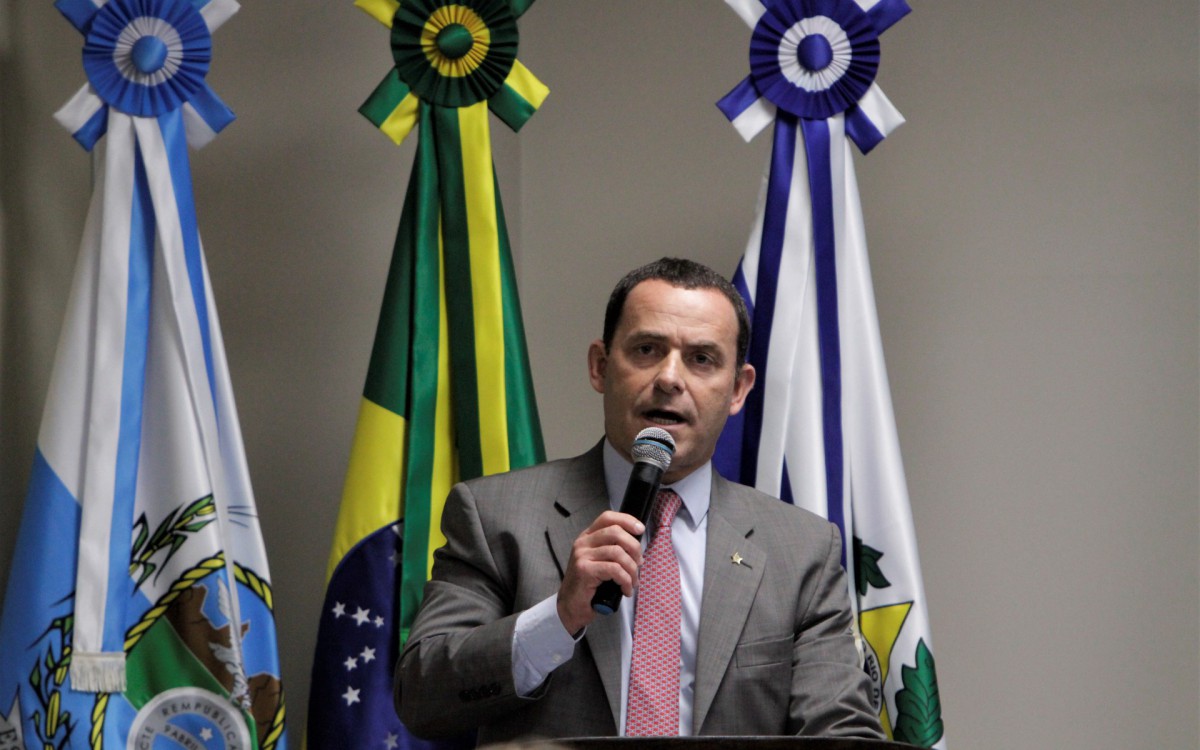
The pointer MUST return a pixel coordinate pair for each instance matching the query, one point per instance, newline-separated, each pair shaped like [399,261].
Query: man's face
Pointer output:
[672,364]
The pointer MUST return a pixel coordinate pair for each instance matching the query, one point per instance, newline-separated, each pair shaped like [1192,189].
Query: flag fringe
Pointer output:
[98,673]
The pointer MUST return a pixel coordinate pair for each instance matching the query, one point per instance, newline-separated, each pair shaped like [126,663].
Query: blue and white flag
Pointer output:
[139,609]
[818,429]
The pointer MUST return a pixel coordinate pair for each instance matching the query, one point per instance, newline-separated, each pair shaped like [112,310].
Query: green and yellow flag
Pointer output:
[449,394]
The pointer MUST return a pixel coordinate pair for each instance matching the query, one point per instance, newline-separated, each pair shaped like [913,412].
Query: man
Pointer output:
[506,640]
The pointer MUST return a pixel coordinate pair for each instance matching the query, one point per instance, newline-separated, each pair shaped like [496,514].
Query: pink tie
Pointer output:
[653,705]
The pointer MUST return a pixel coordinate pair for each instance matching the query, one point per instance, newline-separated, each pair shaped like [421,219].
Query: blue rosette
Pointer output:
[147,57]
[814,58]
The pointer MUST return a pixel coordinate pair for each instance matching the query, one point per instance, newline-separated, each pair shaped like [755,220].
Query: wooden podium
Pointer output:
[717,743]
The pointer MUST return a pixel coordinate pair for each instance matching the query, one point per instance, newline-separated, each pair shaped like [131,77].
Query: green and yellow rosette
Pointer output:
[451,54]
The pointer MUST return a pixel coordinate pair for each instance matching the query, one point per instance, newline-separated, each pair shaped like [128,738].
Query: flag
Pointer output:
[448,391]
[818,430]
[139,606]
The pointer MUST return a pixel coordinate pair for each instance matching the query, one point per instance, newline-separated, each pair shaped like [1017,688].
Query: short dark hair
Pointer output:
[685,274]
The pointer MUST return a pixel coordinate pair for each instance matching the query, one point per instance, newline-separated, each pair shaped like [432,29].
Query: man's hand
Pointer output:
[608,550]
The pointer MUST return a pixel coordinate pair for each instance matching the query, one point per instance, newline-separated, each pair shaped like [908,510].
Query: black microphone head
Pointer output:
[653,445]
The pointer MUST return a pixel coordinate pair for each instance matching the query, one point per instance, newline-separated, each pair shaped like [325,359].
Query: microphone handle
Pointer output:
[638,502]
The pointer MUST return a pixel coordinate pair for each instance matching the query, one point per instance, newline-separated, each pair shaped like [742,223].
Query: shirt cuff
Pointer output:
[540,645]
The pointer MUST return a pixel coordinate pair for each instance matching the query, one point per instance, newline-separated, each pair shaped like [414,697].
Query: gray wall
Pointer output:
[1035,246]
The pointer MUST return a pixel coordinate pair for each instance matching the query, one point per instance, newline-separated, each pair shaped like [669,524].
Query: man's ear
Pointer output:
[742,387]
[597,358]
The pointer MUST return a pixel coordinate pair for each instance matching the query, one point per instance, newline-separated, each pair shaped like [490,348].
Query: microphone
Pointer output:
[652,451]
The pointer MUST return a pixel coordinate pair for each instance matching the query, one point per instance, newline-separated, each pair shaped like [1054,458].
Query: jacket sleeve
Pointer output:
[830,691]
[455,670]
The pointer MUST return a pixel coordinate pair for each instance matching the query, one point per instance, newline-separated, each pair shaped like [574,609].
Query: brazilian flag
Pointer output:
[448,393]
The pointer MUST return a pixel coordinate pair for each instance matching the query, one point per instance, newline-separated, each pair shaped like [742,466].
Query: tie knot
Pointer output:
[668,505]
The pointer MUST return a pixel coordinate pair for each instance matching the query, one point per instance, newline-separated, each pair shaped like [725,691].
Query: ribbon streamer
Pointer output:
[812,63]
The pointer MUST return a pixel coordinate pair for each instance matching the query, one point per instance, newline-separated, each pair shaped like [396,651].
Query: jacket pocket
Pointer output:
[774,651]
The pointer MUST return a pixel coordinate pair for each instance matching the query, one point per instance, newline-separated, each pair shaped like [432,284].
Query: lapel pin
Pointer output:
[736,559]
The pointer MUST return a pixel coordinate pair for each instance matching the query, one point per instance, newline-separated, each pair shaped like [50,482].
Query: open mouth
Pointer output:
[663,417]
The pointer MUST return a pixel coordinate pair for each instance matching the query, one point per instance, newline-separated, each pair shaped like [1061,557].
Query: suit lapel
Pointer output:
[733,569]
[583,497]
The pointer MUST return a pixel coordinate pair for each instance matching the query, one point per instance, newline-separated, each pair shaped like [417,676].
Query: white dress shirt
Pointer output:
[541,643]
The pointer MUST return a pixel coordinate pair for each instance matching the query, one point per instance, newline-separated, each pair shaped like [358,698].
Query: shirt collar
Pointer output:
[695,490]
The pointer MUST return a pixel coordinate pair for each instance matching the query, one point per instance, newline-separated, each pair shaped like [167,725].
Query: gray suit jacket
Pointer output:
[775,656]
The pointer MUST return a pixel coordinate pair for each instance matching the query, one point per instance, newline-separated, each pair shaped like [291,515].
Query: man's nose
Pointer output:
[670,374]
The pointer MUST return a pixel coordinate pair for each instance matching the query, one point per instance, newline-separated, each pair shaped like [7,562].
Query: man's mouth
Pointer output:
[663,417]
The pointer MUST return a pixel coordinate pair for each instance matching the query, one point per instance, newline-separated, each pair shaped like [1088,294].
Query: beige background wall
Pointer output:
[1035,246]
